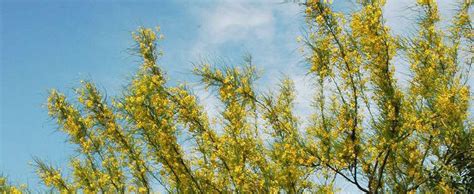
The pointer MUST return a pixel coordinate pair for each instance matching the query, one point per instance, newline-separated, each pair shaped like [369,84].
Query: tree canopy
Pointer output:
[367,129]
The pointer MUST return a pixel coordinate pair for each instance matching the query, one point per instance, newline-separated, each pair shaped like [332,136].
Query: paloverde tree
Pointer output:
[367,129]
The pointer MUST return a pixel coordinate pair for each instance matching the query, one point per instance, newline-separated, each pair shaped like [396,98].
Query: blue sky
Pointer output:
[55,44]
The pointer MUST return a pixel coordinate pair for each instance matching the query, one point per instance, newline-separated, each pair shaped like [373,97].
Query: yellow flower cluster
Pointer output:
[366,129]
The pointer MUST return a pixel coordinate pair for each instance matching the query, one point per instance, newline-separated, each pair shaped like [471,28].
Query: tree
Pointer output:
[367,130]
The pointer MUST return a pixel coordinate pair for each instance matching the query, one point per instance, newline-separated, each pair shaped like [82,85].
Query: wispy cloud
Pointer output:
[244,23]
[234,21]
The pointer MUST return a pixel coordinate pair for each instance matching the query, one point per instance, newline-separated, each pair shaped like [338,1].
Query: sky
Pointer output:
[55,44]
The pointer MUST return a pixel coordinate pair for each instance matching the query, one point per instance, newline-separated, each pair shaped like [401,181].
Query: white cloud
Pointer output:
[245,23]
[232,21]
[236,21]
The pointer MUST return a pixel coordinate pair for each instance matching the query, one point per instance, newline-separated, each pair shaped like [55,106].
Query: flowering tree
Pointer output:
[367,130]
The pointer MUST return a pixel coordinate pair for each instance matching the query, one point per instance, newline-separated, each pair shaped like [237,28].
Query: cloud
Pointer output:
[232,21]
[238,23]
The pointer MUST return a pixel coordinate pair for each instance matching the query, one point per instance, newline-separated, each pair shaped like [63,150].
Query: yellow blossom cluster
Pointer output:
[366,129]
[6,187]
